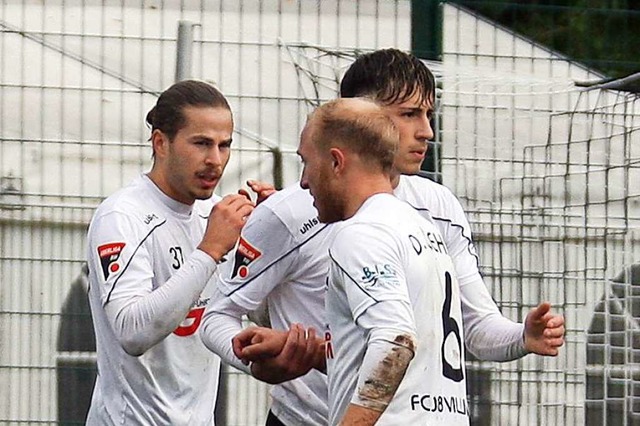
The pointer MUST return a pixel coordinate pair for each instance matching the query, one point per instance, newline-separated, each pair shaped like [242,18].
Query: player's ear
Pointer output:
[159,143]
[337,160]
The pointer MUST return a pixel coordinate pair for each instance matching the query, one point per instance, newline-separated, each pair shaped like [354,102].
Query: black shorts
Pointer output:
[272,420]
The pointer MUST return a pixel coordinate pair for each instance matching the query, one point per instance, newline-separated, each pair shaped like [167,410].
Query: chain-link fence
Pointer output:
[547,170]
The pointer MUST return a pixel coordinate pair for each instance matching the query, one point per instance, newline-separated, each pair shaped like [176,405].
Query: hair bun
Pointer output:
[151,117]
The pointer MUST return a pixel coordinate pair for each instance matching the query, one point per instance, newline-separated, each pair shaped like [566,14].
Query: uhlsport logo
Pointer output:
[109,255]
[245,255]
[309,224]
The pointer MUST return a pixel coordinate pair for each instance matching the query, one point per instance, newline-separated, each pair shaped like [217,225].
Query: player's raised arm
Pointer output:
[153,247]
[224,225]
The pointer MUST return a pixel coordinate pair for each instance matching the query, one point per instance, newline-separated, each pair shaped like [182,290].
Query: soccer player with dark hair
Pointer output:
[283,259]
[393,338]
[153,247]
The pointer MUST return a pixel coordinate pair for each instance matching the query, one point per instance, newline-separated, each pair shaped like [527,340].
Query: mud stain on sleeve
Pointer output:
[381,385]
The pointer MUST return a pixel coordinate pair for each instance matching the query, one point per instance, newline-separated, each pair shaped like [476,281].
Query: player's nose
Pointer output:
[214,157]
[304,180]
[424,131]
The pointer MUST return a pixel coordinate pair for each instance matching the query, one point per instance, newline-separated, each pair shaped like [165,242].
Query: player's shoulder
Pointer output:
[129,198]
[132,202]
[292,207]
[425,194]
[390,213]
[381,221]
[423,185]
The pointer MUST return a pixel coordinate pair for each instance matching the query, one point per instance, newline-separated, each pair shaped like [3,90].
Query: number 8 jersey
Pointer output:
[388,252]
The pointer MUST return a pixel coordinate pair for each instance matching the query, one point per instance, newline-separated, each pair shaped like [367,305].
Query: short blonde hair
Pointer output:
[359,125]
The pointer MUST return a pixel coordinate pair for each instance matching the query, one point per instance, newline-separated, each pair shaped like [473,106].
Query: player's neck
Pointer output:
[367,186]
[395,180]
[159,178]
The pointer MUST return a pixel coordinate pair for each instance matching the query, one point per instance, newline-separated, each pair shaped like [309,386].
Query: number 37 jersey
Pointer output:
[389,252]
[139,238]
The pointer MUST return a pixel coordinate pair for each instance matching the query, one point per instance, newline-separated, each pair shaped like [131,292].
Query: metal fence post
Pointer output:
[184,51]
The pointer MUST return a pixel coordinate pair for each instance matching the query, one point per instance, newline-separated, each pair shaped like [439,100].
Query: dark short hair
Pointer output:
[368,132]
[168,115]
[388,76]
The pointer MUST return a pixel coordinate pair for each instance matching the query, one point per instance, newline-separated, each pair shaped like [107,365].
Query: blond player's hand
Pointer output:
[543,331]
[224,225]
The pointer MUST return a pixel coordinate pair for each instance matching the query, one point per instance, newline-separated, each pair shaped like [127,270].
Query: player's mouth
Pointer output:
[208,180]
[418,153]
[314,199]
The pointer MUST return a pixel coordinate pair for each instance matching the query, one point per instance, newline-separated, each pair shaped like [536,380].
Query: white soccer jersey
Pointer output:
[488,335]
[281,258]
[138,240]
[388,252]
[289,272]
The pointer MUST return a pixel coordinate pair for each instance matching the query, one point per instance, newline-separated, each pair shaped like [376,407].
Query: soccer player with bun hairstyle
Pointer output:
[283,260]
[153,247]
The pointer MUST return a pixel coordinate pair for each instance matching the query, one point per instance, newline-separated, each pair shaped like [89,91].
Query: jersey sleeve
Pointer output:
[220,324]
[488,334]
[383,345]
[265,256]
[140,315]
[123,265]
[367,260]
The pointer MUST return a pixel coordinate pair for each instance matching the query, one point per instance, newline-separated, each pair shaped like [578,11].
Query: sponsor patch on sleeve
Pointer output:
[245,255]
[109,255]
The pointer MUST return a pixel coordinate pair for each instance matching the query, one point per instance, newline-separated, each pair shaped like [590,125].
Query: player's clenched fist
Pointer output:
[277,356]
[258,343]
[225,223]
